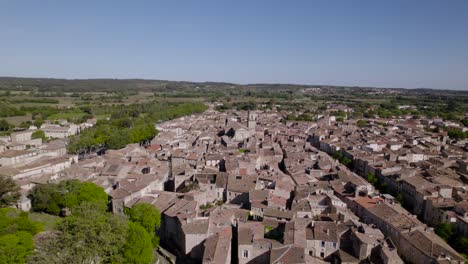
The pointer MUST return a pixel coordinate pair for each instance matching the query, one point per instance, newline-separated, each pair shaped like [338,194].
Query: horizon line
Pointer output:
[235,83]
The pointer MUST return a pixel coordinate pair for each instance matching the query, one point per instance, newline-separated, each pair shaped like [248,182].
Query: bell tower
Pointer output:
[252,120]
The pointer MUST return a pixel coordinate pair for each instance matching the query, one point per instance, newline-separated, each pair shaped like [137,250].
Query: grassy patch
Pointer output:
[49,221]
[104,116]
[16,120]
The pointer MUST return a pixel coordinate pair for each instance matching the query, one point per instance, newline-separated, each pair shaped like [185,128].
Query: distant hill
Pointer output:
[122,85]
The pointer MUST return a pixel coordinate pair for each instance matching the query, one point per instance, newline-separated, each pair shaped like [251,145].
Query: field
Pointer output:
[68,106]
[16,120]
[23,99]
[67,115]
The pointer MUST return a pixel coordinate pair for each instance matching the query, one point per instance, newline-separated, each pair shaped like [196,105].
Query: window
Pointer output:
[323,243]
[334,244]
[245,253]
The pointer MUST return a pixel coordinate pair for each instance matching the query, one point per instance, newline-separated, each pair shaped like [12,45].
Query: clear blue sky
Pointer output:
[397,43]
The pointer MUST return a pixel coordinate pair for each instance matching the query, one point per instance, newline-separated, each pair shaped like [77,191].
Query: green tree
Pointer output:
[23,223]
[464,121]
[125,122]
[456,133]
[16,233]
[52,198]
[15,248]
[46,198]
[337,155]
[371,178]
[13,221]
[444,230]
[142,132]
[118,139]
[38,134]
[90,192]
[9,191]
[461,244]
[400,199]
[361,123]
[148,217]
[75,193]
[345,161]
[89,235]
[138,248]
[4,125]
[25,124]
[132,124]
[38,122]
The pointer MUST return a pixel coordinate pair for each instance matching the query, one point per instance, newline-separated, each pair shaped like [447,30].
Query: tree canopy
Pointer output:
[341,158]
[16,236]
[148,217]
[361,123]
[9,191]
[138,249]
[89,235]
[456,133]
[456,239]
[15,248]
[4,125]
[132,124]
[92,235]
[38,134]
[52,198]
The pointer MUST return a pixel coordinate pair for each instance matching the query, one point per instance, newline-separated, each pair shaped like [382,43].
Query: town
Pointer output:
[243,132]
[254,187]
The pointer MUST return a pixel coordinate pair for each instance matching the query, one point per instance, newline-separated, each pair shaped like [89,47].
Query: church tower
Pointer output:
[252,120]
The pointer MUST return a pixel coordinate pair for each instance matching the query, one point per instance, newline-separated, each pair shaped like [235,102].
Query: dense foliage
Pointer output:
[93,235]
[456,133]
[342,159]
[138,248]
[444,230]
[148,217]
[7,110]
[89,235]
[4,125]
[383,188]
[301,117]
[132,124]
[16,236]
[361,123]
[9,191]
[38,134]
[459,242]
[54,198]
